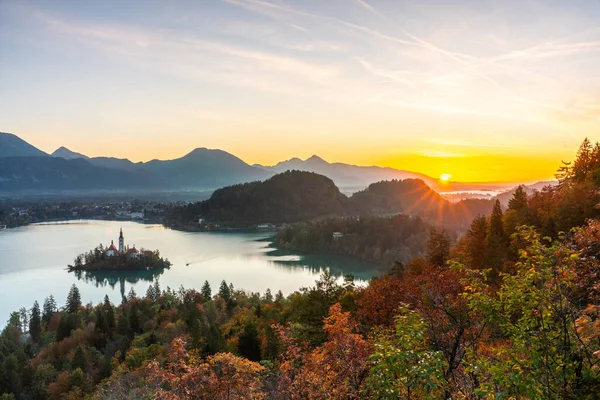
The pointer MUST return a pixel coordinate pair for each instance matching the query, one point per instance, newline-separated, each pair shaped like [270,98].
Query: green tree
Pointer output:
[49,309]
[404,365]
[206,291]
[249,342]
[496,241]
[109,313]
[73,300]
[80,359]
[476,242]
[519,200]
[225,292]
[35,322]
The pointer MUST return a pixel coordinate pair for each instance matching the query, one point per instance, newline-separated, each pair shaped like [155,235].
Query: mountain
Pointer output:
[504,197]
[287,197]
[56,173]
[346,175]
[13,146]
[67,154]
[206,168]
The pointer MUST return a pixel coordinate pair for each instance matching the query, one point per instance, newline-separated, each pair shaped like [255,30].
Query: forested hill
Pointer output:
[409,196]
[296,196]
[288,197]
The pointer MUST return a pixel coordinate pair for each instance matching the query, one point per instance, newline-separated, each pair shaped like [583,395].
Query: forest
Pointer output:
[383,240]
[511,310]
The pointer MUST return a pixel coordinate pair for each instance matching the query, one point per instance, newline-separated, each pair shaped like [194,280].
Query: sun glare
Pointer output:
[445,177]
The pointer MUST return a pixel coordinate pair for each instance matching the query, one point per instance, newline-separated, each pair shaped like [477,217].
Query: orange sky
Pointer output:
[483,91]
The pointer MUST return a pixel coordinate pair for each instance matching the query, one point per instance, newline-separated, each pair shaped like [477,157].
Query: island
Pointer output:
[122,259]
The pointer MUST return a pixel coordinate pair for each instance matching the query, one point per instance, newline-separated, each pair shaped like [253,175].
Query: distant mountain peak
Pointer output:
[67,154]
[315,158]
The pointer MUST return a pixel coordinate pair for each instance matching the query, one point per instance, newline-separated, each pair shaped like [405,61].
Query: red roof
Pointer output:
[133,250]
[148,252]
[112,247]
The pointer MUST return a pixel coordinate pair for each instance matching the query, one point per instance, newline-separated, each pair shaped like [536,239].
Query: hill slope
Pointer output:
[13,146]
[288,197]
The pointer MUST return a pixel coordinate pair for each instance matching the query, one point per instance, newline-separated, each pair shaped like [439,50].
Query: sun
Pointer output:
[445,177]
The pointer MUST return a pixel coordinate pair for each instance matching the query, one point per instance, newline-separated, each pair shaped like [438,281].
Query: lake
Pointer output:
[33,261]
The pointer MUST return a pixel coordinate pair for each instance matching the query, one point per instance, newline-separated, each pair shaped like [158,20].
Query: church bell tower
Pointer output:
[121,243]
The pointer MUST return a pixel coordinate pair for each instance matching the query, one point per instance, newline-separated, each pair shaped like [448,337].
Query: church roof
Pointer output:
[112,246]
[133,250]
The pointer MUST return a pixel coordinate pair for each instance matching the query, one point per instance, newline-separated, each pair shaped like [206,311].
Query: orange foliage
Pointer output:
[222,376]
[334,370]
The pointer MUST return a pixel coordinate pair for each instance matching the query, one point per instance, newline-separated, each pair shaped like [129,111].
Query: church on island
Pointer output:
[130,252]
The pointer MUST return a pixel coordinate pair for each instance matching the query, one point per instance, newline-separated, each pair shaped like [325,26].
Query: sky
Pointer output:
[476,89]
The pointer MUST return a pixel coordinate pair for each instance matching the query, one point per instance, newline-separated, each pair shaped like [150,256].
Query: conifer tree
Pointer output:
[224,291]
[476,242]
[438,247]
[35,322]
[109,314]
[519,200]
[496,242]
[49,309]
[73,300]
[206,291]
[131,295]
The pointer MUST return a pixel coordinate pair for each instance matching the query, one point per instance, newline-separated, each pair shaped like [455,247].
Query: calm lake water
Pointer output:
[33,261]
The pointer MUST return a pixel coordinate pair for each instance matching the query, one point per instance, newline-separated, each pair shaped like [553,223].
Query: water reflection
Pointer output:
[111,278]
[316,263]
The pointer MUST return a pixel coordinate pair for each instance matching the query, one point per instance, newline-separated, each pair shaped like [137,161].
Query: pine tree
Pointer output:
[134,321]
[157,292]
[109,314]
[73,300]
[206,291]
[150,293]
[477,242]
[131,295]
[268,296]
[249,343]
[49,309]
[496,242]
[278,296]
[519,200]
[100,325]
[35,322]
[438,247]
[224,291]
[79,359]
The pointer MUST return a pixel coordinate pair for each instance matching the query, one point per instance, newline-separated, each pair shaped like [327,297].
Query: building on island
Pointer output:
[130,252]
[112,250]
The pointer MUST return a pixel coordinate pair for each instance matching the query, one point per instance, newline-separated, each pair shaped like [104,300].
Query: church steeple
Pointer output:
[121,243]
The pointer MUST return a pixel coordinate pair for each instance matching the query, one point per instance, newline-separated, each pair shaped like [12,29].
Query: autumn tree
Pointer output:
[222,376]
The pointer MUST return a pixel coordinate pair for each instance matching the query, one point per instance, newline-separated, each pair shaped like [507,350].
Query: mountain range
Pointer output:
[25,168]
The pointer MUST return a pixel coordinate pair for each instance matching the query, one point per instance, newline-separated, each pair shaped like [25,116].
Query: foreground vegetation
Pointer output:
[511,311]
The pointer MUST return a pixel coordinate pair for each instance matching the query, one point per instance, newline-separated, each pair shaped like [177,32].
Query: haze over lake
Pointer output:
[34,259]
